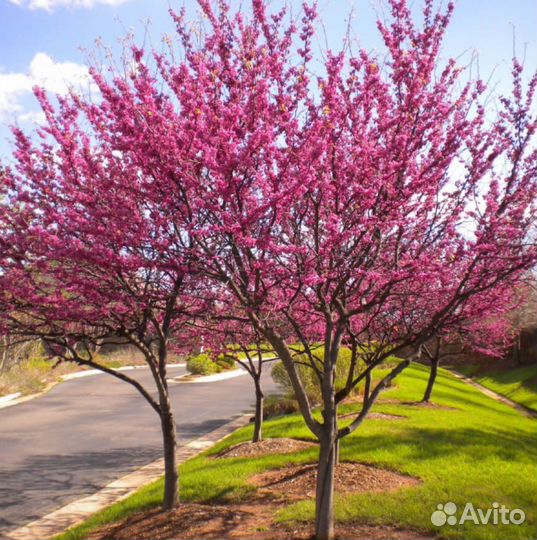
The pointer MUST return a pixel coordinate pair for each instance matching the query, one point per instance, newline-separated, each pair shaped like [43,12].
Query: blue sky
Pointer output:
[44,40]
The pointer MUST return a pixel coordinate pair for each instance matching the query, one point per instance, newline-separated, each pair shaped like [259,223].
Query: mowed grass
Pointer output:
[518,384]
[472,449]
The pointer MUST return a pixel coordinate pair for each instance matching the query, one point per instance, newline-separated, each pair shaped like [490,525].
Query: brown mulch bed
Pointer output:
[248,522]
[255,519]
[266,447]
[187,521]
[298,482]
[344,531]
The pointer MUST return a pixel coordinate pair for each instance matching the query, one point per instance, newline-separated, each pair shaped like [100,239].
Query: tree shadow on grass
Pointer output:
[452,392]
[430,443]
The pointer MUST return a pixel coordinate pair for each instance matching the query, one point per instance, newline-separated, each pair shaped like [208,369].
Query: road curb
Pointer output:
[187,378]
[10,397]
[76,512]
[90,372]
[14,399]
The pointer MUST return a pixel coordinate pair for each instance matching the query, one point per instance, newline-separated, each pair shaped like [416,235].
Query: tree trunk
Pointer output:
[432,378]
[324,511]
[4,355]
[171,473]
[367,387]
[259,399]
[518,349]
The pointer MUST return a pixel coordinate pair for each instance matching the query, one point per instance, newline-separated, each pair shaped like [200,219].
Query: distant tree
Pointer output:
[523,319]
[491,337]
[230,335]
[252,357]
[493,334]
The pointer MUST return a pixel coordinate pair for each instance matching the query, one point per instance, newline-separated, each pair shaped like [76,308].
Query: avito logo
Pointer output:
[495,515]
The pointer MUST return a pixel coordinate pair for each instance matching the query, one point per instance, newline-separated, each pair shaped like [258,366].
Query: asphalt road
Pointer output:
[86,432]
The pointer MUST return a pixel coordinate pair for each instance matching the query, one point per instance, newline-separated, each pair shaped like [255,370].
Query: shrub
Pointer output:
[276,405]
[202,364]
[308,376]
[225,362]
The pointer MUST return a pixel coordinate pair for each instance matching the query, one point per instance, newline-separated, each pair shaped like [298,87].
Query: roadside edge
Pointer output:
[15,399]
[526,411]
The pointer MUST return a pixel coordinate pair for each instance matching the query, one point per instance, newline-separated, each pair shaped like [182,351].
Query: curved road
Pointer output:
[87,432]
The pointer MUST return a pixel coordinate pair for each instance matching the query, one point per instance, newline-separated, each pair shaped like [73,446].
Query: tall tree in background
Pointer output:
[349,201]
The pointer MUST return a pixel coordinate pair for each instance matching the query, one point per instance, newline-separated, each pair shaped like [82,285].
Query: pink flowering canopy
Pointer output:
[87,249]
[376,195]
[248,188]
[371,197]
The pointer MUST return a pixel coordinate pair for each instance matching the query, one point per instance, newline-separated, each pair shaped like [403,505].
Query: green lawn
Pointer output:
[477,451]
[518,384]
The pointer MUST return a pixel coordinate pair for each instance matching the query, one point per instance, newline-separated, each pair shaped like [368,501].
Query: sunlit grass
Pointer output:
[473,449]
[518,384]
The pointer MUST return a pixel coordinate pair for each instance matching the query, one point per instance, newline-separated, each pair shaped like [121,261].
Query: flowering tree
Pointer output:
[90,250]
[366,203]
[372,205]
[227,333]
[492,337]
[252,353]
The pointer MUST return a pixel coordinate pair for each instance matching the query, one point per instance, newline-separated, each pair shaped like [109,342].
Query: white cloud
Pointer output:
[55,77]
[32,117]
[50,5]
[12,86]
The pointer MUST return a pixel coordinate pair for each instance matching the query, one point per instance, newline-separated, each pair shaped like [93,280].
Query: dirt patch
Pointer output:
[376,416]
[266,447]
[252,522]
[299,482]
[344,531]
[428,405]
[188,521]
[419,404]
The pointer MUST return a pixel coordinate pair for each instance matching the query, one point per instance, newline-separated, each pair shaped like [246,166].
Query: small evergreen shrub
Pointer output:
[202,364]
